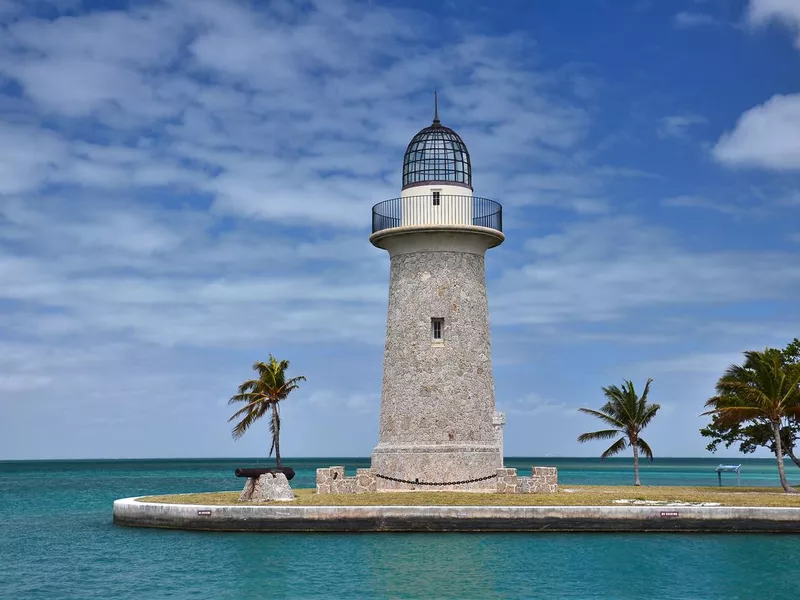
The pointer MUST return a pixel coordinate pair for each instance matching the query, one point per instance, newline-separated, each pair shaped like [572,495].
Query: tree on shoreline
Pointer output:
[628,414]
[752,435]
[764,391]
[262,395]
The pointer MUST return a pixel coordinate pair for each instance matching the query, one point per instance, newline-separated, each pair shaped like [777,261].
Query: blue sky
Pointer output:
[185,187]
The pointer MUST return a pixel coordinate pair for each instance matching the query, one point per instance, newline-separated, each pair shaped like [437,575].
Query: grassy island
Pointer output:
[567,496]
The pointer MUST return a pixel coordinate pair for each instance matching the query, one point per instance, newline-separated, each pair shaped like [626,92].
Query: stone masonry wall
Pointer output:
[332,480]
[437,400]
[543,480]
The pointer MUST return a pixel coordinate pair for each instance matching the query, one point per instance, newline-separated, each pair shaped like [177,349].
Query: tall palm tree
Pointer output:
[627,413]
[762,390]
[261,395]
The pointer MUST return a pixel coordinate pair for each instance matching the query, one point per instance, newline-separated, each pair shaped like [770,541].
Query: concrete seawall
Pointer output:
[130,512]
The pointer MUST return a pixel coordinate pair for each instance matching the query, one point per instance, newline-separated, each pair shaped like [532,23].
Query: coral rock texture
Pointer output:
[437,402]
[266,488]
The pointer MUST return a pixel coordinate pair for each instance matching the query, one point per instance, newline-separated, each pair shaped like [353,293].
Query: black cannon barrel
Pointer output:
[256,472]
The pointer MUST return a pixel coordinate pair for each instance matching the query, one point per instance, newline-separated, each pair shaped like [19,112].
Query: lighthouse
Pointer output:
[438,427]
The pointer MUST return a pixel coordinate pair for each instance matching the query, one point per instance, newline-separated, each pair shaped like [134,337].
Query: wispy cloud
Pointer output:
[185,186]
[766,136]
[726,208]
[533,405]
[690,20]
[761,13]
[603,269]
[677,126]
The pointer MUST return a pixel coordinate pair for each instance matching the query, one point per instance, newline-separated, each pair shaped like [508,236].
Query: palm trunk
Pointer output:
[776,430]
[276,427]
[636,480]
[790,452]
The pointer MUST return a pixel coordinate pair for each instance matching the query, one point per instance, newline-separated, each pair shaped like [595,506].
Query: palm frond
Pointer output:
[645,448]
[242,426]
[244,397]
[615,448]
[763,387]
[603,434]
[249,386]
[610,419]
[648,412]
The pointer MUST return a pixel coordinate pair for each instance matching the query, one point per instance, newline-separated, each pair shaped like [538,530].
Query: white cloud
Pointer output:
[710,364]
[279,114]
[761,13]
[186,186]
[205,162]
[533,405]
[358,402]
[766,136]
[676,126]
[688,20]
[730,207]
[600,270]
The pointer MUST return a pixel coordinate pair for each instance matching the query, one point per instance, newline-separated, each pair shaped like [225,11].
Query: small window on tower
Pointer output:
[437,330]
[436,198]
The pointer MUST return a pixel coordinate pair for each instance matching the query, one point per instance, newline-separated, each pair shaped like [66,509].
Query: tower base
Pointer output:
[453,467]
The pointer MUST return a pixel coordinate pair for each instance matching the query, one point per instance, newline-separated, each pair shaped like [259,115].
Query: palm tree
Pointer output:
[261,395]
[627,413]
[762,390]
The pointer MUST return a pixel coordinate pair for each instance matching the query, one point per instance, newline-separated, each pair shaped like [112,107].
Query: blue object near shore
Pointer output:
[731,469]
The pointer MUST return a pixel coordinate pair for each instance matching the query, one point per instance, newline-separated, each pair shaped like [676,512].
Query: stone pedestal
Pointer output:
[544,480]
[267,488]
[507,481]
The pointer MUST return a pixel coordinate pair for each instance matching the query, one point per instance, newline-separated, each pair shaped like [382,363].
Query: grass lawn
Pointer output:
[567,496]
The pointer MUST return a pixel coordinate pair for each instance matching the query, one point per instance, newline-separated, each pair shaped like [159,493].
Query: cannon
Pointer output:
[256,472]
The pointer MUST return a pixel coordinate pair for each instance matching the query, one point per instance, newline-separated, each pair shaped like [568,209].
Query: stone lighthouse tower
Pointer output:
[437,422]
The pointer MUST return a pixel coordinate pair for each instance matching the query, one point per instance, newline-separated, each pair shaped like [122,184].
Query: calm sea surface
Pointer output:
[57,541]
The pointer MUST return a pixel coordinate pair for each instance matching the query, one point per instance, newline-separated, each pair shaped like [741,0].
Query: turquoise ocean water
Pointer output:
[57,542]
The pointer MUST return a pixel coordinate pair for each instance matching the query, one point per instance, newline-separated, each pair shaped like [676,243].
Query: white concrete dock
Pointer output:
[283,518]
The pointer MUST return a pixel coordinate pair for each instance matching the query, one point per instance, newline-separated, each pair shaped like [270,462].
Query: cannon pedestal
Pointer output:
[267,488]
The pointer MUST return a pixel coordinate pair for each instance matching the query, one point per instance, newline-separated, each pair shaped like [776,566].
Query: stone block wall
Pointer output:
[507,481]
[332,480]
[543,480]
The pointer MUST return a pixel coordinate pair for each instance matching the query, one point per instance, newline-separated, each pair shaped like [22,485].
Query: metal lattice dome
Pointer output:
[437,154]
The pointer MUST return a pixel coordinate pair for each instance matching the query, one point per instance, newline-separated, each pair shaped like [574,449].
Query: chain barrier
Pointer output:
[418,482]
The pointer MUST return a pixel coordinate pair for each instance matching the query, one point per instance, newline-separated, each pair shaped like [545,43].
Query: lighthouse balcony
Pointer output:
[437,210]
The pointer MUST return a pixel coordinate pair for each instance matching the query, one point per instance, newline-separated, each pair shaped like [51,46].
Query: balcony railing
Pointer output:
[437,210]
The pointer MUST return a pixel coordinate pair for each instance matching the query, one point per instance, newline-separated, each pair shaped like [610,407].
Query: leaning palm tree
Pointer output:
[763,390]
[261,395]
[627,413]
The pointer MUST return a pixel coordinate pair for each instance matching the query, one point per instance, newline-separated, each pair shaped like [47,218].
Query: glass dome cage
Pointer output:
[437,154]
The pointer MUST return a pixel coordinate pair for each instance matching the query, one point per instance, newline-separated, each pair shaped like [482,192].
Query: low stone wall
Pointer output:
[332,480]
[282,517]
[543,480]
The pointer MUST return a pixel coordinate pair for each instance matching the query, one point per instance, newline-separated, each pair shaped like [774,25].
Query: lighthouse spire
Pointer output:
[436,108]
